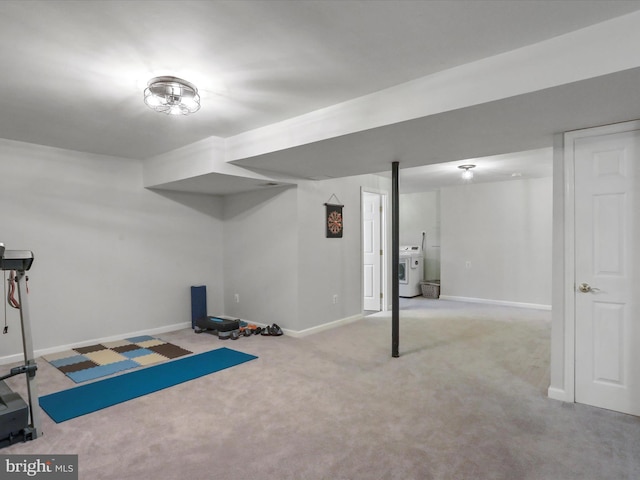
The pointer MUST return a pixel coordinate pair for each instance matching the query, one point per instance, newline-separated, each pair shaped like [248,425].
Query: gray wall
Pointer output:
[261,256]
[330,266]
[420,212]
[279,261]
[110,257]
[504,230]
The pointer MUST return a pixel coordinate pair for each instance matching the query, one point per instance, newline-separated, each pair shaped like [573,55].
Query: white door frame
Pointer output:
[568,394]
[383,245]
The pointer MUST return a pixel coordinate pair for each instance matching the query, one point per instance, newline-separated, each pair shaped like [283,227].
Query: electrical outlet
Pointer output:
[335,299]
[237,297]
[468,264]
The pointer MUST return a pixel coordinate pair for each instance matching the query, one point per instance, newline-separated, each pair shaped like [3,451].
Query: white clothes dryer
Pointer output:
[410,271]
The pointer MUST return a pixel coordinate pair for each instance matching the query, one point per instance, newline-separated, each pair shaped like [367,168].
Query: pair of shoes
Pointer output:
[272,331]
[275,330]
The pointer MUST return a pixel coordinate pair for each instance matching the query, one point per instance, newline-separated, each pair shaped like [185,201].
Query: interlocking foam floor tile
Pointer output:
[101,371]
[150,359]
[150,343]
[135,353]
[90,348]
[169,350]
[105,357]
[74,359]
[141,338]
[95,361]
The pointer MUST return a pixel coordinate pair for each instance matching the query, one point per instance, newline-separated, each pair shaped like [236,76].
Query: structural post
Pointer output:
[395,260]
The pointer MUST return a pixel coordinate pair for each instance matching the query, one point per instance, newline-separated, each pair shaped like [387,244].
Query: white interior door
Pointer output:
[607,270]
[372,254]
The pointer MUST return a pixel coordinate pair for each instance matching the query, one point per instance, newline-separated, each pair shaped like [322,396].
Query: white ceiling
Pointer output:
[73,71]
[496,168]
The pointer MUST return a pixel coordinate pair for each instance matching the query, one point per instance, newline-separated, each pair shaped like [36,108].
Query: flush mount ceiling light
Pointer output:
[172,95]
[467,174]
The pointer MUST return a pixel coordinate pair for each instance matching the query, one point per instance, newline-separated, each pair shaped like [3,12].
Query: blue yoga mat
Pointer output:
[68,404]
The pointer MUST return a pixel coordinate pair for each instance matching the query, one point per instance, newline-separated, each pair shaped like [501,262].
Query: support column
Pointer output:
[395,260]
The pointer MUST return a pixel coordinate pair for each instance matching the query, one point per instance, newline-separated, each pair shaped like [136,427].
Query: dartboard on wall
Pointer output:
[334,221]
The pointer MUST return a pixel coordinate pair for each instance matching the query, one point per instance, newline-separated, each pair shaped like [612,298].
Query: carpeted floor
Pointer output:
[465,400]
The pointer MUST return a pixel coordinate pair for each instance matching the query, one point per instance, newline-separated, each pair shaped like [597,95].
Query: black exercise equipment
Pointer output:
[19,421]
[224,327]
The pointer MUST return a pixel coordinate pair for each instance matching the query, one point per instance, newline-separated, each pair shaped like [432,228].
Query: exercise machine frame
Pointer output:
[20,261]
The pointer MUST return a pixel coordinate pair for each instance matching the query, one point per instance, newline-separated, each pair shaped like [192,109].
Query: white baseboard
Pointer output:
[19,357]
[312,330]
[325,326]
[558,394]
[503,303]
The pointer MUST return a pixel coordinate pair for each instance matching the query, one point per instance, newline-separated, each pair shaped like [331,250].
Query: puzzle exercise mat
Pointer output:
[95,361]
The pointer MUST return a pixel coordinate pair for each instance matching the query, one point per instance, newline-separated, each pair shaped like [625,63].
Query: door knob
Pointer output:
[584,287]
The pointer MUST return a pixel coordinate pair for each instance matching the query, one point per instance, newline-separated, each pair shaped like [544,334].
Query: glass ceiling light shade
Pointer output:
[172,95]
[467,174]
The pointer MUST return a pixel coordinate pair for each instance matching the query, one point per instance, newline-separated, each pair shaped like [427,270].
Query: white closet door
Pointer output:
[371,250]
[607,271]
